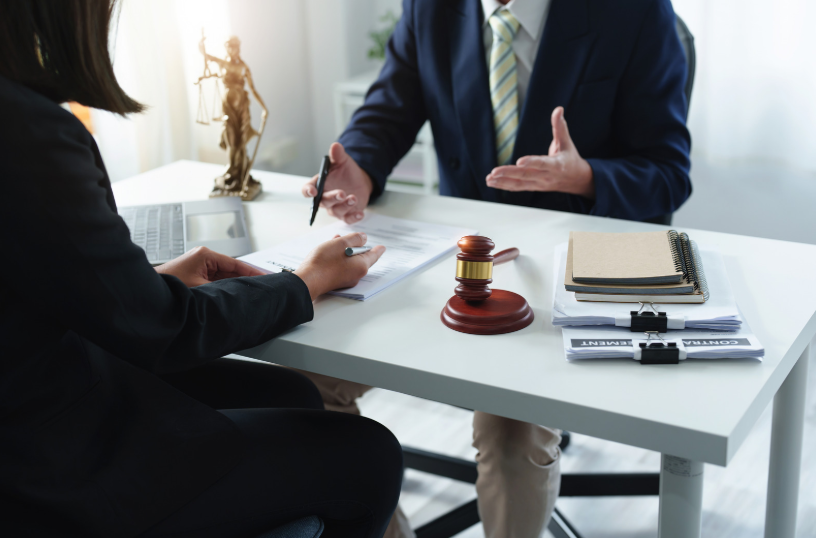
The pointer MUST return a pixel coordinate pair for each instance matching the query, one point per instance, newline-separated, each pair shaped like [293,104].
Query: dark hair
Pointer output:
[59,48]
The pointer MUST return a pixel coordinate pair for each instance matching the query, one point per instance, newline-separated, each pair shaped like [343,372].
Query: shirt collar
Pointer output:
[529,13]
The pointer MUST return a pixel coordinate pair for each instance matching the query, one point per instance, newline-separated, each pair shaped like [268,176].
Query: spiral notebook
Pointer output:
[653,266]
[720,312]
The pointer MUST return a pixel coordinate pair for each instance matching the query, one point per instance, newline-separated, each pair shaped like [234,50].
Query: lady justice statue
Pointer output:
[238,131]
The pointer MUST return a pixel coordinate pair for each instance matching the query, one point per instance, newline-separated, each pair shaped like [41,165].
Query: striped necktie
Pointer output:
[504,83]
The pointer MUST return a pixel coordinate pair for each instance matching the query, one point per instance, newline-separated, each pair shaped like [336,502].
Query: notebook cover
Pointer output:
[623,258]
[621,289]
[683,298]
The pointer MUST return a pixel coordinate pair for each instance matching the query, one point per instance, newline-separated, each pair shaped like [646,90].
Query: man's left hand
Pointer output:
[562,170]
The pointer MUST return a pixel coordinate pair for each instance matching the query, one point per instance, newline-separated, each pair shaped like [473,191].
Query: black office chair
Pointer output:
[572,484]
[308,527]
[687,40]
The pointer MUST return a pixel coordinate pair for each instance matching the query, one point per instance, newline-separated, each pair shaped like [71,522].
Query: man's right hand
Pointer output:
[348,187]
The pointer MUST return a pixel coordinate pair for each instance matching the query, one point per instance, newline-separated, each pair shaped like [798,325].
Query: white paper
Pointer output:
[613,343]
[410,245]
[720,312]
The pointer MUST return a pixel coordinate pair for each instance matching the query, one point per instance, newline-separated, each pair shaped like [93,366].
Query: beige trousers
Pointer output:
[518,464]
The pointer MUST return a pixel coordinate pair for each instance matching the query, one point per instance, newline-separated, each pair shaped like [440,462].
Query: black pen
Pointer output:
[321,183]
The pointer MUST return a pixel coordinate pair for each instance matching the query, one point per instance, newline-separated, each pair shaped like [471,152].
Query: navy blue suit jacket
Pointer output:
[617,67]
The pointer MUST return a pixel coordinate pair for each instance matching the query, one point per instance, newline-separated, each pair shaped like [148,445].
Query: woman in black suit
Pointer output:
[109,373]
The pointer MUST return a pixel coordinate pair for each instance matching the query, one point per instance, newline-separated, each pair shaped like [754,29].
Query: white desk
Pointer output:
[699,411]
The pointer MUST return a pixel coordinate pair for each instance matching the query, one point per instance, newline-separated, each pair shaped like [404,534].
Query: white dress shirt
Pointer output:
[531,14]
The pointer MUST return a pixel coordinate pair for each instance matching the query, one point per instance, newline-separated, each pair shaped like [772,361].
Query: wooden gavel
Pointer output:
[474,266]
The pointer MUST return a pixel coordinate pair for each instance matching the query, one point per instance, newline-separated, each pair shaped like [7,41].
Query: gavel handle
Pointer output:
[506,256]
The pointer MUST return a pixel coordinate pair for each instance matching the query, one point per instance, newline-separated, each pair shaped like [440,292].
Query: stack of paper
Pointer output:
[662,267]
[409,246]
[613,343]
[720,312]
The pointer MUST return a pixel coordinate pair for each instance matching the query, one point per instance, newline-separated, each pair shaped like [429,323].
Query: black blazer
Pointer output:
[92,442]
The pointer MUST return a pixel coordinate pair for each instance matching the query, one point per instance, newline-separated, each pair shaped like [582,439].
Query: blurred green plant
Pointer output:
[381,37]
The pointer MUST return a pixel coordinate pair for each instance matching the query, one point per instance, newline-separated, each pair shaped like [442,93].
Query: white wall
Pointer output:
[754,94]
[297,52]
[274,45]
[753,99]
[338,39]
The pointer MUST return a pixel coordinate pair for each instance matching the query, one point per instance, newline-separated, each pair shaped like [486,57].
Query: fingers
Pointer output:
[557,114]
[337,154]
[561,137]
[537,162]
[534,170]
[309,188]
[338,157]
[532,164]
[342,206]
[512,184]
[337,197]
[221,266]
[372,255]
[357,239]
[353,216]
[242,269]
[333,197]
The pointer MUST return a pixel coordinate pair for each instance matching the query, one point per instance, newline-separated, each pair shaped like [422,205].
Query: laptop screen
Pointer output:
[214,226]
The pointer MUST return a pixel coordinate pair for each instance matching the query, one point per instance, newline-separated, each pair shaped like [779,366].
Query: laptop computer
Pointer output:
[166,231]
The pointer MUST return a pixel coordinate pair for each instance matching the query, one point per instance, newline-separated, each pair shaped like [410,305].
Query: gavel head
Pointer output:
[474,268]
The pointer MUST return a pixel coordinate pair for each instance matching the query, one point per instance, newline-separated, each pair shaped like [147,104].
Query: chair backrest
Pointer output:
[687,40]
[307,527]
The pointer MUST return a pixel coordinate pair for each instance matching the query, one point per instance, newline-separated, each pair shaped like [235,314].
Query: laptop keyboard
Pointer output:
[158,229]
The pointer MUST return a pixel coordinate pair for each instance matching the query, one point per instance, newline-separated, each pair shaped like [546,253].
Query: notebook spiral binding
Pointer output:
[676,251]
[687,260]
[702,283]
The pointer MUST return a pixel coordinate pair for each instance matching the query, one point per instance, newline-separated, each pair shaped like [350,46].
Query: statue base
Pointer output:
[503,312]
[247,195]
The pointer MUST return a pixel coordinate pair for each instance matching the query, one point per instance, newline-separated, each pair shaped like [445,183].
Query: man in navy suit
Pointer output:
[497,80]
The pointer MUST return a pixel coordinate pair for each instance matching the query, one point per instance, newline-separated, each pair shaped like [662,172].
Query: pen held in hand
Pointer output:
[325,165]
[352,251]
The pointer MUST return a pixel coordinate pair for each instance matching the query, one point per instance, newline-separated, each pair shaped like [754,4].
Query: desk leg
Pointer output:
[786,452]
[681,497]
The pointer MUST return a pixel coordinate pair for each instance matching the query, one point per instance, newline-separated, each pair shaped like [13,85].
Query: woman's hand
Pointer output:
[202,266]
[328,268]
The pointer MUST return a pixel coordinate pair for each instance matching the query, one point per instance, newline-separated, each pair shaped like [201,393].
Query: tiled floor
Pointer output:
[733,502]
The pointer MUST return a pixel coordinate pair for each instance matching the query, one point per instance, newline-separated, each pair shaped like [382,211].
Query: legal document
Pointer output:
[409,246]
[614,342]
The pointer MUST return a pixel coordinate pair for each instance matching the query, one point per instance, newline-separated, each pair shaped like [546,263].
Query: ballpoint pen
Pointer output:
[321,184]
[351,251]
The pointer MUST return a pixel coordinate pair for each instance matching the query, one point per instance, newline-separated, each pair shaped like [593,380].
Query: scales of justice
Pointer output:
[234,114]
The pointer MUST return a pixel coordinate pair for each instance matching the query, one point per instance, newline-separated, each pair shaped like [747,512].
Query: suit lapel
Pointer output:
[471,92]
[562,53]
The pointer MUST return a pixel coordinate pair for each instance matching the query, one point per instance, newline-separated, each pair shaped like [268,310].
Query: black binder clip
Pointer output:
[653,321]
[661,352]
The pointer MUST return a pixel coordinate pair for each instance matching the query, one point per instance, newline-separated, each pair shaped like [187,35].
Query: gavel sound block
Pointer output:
[476,309]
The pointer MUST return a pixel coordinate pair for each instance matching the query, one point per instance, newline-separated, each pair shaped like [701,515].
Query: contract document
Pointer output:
[614,343]
[409,246]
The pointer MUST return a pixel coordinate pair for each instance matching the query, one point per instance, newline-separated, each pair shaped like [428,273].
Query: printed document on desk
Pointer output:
[409,246]
[617,343]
